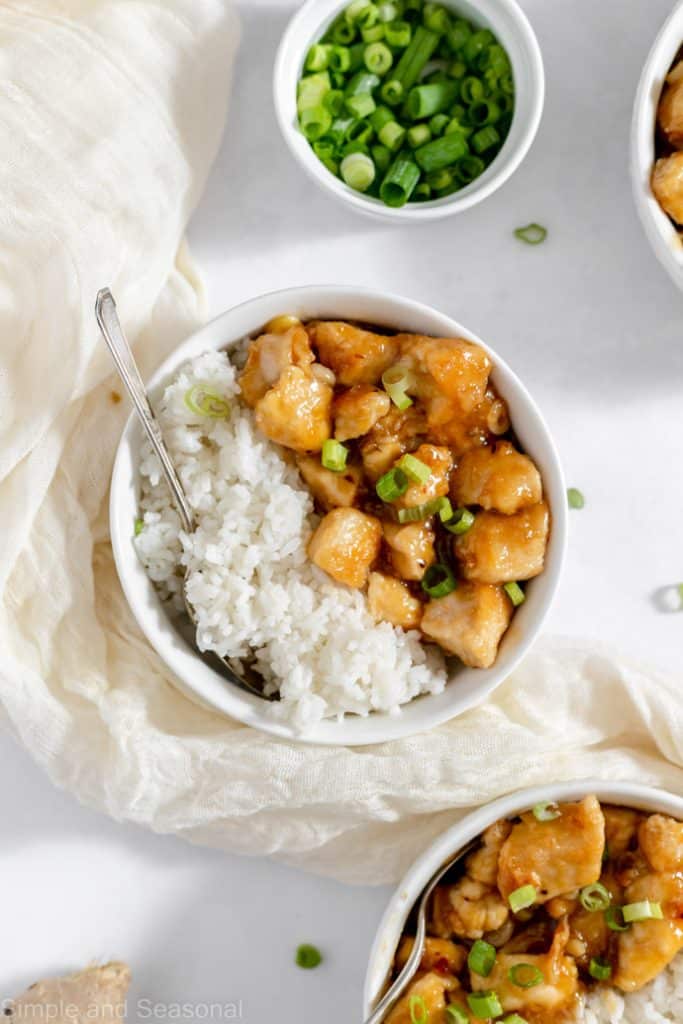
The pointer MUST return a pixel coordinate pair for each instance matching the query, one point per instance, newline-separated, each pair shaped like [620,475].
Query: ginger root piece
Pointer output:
[96,995]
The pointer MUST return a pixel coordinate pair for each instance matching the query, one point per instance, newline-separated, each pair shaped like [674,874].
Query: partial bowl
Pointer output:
[506,20]
[661,232]
[393,922]
[196,677]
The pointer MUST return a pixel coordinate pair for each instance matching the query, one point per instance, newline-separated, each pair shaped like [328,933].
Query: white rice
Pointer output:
[251,583]
[660,1002]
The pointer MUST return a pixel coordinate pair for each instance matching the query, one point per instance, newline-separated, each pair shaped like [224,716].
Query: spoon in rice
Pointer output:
[112,332]
[390,998]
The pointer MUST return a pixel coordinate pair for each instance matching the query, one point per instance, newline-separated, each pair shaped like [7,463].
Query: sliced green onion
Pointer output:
[441,152]
[392,485]
[415,56]
[419,1014]
[334,455]
[202,400]
[418,513]
[522,898]
[382,157]
[139,527]
[646,910]
[484,1005]
[315,121]
[363,83]
[418,135]
[546,811]
[469,168]
[513,1018]
[357,11]
[471,90]
[400,181]
[437,18]
[308,956]
[460,522]
[595,897]
[481,958]
[457,70]
[311,89]
[446,510]
[343,32]
[340,58]
[614,919]
[392,135]
[525,976]
[358,171]
[391,92]
[378,58]
[360,131]
[387,12]
[599,969]
[361,104]
[437,124]
[455,1015]
[484,112]
[373,34]
[334,101]
[438,581]
[398,34]
[395,382]
[575,498]
[416,470]
[423,191]
[476,43]
[458,34]
[485,138]
[427,100]
[532,234]
[515,593]
[318,57]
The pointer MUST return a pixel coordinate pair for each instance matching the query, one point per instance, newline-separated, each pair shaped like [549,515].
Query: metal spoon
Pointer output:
[391,997]
[112,332]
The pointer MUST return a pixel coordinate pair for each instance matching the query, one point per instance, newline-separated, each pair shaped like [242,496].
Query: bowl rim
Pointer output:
[203,684]
[404,897]
[663,237]
[432,209]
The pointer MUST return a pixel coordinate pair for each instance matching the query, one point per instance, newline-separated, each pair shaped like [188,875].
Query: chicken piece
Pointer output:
[440,462]
[95,995]
[357,410]
[590,935]
[555,856]
[345,545]
[670,112]
[440,955]
[389,600]
[498,478]
[482,865]
[297,412]
[431,989]
[650,946]
[268,358]
[501,549]
[411,548]
[621,829]
[667,185]
[557,991]
[451,374]
[330,489]
[476,429]
[394,434]
[629,867]
[467,909]
[661,840]
[355,355]
[469,622]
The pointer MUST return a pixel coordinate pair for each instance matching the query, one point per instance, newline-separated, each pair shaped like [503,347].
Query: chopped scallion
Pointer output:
[614,918]
[532,234]
[392,485]
[481,958]
[139,527]
[378,58]
[419,1014]
[522,898]
[525,975]
[358,171]
[484,1005]
[439,581]
[575,498]
[202,400]
[456,1015]
[595,897]
[396,382]
[460,521]
[645,910]
[419,512]
[513,1018]
[546,811]
[308,956]
[515,593]
[599,969]
[334,455]
[417,471]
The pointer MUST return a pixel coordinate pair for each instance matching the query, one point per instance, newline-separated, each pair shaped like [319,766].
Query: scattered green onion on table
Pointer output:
[405,101]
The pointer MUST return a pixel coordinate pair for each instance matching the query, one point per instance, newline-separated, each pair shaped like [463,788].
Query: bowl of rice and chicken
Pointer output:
[380,510]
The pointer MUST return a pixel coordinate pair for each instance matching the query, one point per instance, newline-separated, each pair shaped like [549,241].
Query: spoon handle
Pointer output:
[112,332]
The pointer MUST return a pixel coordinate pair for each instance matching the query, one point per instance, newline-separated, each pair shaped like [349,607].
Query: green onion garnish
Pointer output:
[446,510]
[546,811]
[515,593]
[416,470]
[139,527]
[396,382]
[522,898]
[419,1014]
[614,918]
[532,234]
[203,401]
[439,581]
[378,58]
[646,910]
[419,512]
[525,976]
[481,958]
[460,521]
[513,1018]
[484,1005]
[454,1015]
[575,498]
[599,969]
[392,485]
[308,956]
[334,455]
[595,897]
[358,171]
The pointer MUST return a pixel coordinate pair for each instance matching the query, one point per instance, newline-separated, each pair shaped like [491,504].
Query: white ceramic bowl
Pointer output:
[505,19]
[196,677]
[662,235]
[395,916]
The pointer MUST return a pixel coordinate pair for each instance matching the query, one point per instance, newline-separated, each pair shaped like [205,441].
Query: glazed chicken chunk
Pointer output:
[667,185]
[268,358]
[440,462]
[357,410]
[410,548]
[467,909]
[390,600]
[356,356]
[497,478]
[661,840]
[469,622]
[431,990]
[556,856]
[345,545]
[296,412]
[450,374]
[647,947]
[441,955]
[670,114]
[330,490]
[501,549]
[396,433]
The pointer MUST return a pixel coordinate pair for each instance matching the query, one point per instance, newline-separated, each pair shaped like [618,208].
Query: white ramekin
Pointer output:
[194,676]
[405,897]
[661,233]
[508,22]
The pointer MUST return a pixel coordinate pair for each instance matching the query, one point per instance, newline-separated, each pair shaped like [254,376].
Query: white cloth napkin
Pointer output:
[110,114]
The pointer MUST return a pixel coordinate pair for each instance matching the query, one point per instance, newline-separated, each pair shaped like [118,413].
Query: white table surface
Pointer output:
[589,321]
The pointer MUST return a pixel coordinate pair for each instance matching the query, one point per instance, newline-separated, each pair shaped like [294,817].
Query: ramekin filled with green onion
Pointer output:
[408,109]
